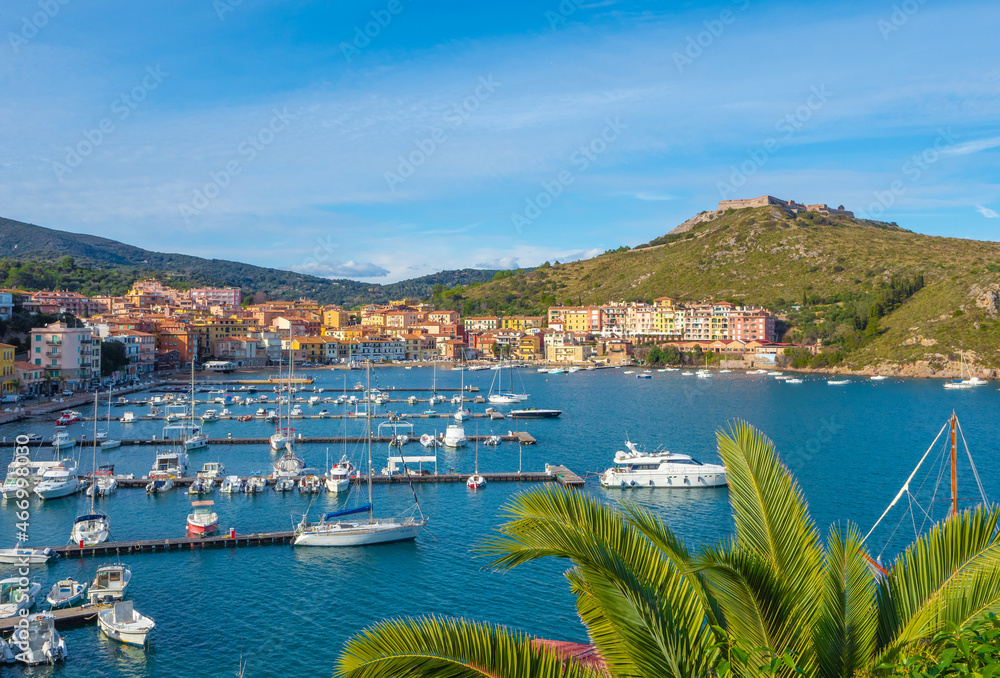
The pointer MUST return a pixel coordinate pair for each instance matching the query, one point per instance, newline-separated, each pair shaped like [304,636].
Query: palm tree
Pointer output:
[653,608]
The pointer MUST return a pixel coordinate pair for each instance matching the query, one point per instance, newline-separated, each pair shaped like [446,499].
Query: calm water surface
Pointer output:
[290,609]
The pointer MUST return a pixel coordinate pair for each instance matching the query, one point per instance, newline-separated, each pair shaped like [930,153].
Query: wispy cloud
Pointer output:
[652,197]
[505,263]
[342,269]
[974,146]
[987,212]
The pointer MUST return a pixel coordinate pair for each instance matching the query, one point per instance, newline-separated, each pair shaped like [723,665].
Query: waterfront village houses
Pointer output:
[6,305]
[7,374]
[67,354]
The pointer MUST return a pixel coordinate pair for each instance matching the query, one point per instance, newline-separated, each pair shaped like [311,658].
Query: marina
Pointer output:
[819,432]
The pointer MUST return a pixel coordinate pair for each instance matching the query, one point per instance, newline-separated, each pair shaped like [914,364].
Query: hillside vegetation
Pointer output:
[33,258]
[826,273]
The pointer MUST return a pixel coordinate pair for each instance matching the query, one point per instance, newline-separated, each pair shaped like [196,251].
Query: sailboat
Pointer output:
[927,514]
[332,531]
[93,528]
[195,439]
[476,481]
[964,382]
[501,396]
[284,437]
[108,443]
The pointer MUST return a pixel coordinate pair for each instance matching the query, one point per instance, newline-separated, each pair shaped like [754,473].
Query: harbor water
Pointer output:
[289,610]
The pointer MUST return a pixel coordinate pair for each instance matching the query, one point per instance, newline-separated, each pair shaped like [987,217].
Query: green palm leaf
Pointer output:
[844,639]
[952,573]
[449,648]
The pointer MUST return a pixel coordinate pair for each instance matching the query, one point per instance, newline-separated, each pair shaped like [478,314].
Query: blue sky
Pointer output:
[489,135]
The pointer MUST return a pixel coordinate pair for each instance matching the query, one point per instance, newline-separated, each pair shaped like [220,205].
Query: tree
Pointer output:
[654,608]
[113,357]
[11,384]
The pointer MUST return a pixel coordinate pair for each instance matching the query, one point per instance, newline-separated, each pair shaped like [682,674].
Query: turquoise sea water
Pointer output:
[290,610]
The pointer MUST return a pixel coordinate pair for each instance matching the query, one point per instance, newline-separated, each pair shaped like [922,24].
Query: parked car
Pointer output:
[67,394]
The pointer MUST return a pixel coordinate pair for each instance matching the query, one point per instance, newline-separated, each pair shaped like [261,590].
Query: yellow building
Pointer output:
[336,317]
[309,348]
[520,323]
[6,367]
[210,331]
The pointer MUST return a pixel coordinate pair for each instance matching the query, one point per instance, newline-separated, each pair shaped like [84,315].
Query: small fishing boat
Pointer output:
[14,597]
[231,485]
[310,484]
[122,623]
[201,486]
[284,484]
[110,583]
[66,593]
[202,520]
[255,484]
[41,643]
[157,485]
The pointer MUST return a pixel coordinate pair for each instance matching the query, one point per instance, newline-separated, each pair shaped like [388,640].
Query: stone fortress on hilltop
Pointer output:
[790,205]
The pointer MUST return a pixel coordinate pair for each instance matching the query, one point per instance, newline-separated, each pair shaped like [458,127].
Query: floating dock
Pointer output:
[65,617]
[521,437]
[563,475]
[123,548]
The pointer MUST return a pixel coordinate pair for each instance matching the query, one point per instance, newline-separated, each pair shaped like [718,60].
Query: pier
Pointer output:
[522,437]
[124,548]
[64,618]
[563,475]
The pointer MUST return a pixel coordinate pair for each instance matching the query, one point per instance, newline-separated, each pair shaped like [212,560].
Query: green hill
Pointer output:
[33,257]
[828,274]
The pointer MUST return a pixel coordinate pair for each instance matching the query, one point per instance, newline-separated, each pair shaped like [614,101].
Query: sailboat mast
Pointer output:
[93,467]
[368,420]
[954,474]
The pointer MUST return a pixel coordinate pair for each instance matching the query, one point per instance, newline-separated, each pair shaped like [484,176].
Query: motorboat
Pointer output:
[170,464]
[644,376]
[288,465]
[427,440]
[399,440]
[31,437]
[202,520]
[68,418]
[90,529]
[122,623]
[661,469]
[209,416]
[158,485]
[61,440]
[110,583]
[14,597]
[66,593]
[201,486]
[211,470]
[59,481]
[454,436]
[110,444]
[535,413]
[838,382]
[284,484]
[255,484]
[22,476]
[794,380]
[22,556]
[39,642]
[310,484]
[231,485]
[6,654]
[878,377]
[493,441]
[127,418]
[339,479]
[260,413]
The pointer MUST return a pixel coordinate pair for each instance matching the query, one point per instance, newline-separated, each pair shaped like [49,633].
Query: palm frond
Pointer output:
[844,638]
[952,573]
[760,608]
[450,648]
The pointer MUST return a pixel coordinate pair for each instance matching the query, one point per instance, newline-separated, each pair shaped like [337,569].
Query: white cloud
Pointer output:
[342,269]
[653,197]
[505,263]
[974,146]
[987,212]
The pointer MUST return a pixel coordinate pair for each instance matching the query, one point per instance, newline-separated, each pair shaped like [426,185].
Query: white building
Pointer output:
[70,352]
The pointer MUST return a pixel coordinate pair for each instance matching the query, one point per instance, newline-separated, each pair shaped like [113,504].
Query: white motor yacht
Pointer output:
[454,436]
[170,464]
[231,485]
[61,440]
[59,481]
[339,479]
[661,469]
